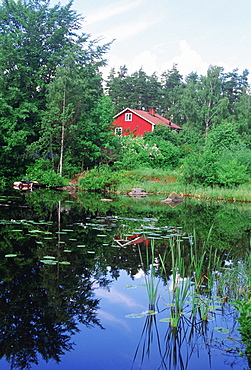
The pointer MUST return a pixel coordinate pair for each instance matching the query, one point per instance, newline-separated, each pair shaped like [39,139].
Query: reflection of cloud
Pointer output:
[111,10]
[108,317]
[116,297]
[139,274]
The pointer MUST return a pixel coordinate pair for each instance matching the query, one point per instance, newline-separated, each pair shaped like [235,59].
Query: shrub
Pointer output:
[99,179]
[231,172]
[134,154]
[168,155]
[200,169]
[228,168]
[163,133]
[40,171]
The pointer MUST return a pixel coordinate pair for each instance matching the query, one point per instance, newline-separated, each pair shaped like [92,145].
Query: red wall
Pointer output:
[137,126]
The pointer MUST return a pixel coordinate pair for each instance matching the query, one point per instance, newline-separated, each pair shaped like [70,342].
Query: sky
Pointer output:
[155,34]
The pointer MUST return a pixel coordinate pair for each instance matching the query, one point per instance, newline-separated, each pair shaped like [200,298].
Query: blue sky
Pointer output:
[155,34]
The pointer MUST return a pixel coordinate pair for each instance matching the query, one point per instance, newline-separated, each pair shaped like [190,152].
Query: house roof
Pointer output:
[154,119]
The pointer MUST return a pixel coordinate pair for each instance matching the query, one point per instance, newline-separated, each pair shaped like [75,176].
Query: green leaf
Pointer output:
[10,255]
[135,316]
[222,330]
[165,319]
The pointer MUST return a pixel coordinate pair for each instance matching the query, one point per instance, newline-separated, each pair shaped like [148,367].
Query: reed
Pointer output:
[152,271]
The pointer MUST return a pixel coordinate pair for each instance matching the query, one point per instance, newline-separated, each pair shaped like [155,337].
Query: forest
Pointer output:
[56,109]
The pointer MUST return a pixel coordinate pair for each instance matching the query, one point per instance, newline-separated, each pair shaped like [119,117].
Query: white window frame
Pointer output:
[128,117]
[118,131]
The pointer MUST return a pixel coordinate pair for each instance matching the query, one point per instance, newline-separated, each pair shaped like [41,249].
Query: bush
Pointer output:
[99,179]
[40,171]
[209,169]
[223,137]
[168,155]
[230,172]
[163,133]
[200,169]
[154,153]
[134,154]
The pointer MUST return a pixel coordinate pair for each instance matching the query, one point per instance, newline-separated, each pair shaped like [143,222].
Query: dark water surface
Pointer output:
[73,287]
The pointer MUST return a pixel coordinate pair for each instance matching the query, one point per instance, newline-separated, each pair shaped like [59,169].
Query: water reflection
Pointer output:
[66,247]
[41,306]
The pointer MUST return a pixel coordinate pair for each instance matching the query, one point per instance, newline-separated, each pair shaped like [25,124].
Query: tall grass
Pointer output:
[152,273]
[191,281]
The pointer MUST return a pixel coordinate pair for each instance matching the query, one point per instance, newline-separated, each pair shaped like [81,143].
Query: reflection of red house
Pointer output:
[132,240]
[138,122]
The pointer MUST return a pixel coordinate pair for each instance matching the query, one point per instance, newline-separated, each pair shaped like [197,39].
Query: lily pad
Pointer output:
[130,286]
[10,255]
[49,262]
[149,312]
[222,330]
[135,316]
[165,319]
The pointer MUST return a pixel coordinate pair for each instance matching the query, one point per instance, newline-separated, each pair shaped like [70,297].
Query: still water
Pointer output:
[75,276]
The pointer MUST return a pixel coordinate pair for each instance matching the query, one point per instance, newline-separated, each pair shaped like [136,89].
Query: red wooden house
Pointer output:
[138,122]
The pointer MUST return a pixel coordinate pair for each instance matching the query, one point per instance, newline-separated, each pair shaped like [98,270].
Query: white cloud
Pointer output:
[188,60]
[127,30]
[111,10]
[156,60]
[147,60]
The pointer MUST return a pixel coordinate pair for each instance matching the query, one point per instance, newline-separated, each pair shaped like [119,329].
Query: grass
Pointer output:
[158,181]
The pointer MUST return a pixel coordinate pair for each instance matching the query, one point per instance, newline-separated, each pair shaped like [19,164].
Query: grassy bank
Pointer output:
[166,181]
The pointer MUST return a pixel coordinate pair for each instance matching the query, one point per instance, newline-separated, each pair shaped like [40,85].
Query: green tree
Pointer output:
[137,90]
[172,88]
[35,41]
[203,103]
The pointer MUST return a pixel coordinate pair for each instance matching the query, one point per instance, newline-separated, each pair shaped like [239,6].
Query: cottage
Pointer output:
[139,122]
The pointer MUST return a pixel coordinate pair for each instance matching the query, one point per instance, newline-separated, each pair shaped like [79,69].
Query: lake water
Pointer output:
[75,276]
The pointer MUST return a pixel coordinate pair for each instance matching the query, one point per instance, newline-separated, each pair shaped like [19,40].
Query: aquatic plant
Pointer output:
[153,269]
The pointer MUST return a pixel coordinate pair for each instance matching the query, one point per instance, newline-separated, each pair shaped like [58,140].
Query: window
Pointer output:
[118,131]
[128,117]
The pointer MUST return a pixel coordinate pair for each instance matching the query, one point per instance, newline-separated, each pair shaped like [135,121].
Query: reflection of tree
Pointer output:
[176,347]
[40,309]
[147,338]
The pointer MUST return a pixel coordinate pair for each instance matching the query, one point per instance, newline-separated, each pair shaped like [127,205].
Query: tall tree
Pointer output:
[35,39]
[172,87]
[203,102]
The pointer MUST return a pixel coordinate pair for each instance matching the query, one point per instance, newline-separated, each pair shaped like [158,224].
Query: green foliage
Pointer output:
[42,172]
[161,132]
[49,75]
[200,169]
[136,152]
[99,179]
[224,136]
[170,155]
[225,162]
[230,172]
[244,308]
